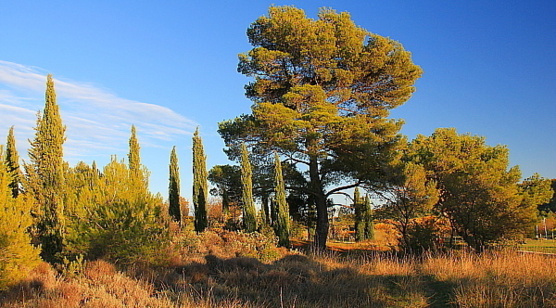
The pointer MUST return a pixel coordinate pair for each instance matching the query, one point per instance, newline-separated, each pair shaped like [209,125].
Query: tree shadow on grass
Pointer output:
[299,281]
[440,293]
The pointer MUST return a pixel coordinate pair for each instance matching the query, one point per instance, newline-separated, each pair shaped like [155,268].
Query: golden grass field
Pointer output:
[348,275]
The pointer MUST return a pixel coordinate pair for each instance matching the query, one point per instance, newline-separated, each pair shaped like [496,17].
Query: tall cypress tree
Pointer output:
[174,187]
[359,215]
[283,221]
[12,164]
[368,219]
[139,182]
[46,176]
[200,185]
[249,212]
[133,157]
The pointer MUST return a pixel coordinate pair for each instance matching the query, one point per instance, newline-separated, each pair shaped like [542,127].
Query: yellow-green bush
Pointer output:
[17,255]
[122,221]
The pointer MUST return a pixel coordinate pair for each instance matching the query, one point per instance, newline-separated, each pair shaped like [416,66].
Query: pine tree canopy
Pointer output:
[322,90]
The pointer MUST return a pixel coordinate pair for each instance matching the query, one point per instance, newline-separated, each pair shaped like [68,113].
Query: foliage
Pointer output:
[12,163]
[124,232]
[112,214]
[249,212]
[82,183]
[283,225]
[45,177]
[322,90]
[424,234]
[550,205]
[414,196]
[174,187]
[368,219]
[17,256]
[364,225]
[200,185]
[227,182]
[133,157]
[536,191]
[478,192]
[119,224]
[229,244]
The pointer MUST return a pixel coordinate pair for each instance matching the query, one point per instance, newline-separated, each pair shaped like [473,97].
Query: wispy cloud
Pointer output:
[98,122]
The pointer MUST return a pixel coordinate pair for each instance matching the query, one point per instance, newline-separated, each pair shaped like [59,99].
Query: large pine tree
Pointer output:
[249,212]
[46,176]
[12,164]
[200,184]
[174,187]
[322,92]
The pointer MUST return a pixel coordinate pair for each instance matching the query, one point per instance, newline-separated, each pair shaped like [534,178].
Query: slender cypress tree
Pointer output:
[46,176]
[249,212]
[283,221]
[369,219]
[200,185]
[12,164]
[133,157]
[359,215]
[174,187]
[138,175]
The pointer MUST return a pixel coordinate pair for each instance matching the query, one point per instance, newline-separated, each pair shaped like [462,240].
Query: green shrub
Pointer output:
[122,232]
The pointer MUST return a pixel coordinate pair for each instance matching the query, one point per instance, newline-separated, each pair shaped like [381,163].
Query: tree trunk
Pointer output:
[317,191]
[321,233]
[266,209]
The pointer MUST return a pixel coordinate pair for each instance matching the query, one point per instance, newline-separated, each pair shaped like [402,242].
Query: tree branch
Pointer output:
[337,189]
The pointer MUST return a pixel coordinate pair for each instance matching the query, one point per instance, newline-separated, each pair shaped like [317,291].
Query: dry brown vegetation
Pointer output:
[229,269]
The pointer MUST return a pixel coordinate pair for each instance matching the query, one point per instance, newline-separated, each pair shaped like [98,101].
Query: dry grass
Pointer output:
[501,279]
[99,286]
[227,276]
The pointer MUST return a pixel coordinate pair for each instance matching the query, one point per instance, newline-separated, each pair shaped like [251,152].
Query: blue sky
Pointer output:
[167,67]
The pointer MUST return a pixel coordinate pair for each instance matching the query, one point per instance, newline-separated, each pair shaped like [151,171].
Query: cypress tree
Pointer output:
[368,220]
[283,221]
[359,216]
[12,164]
[138,175]
[134,158]
[46,176]
[174,187]
[200,185]
[249,212]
